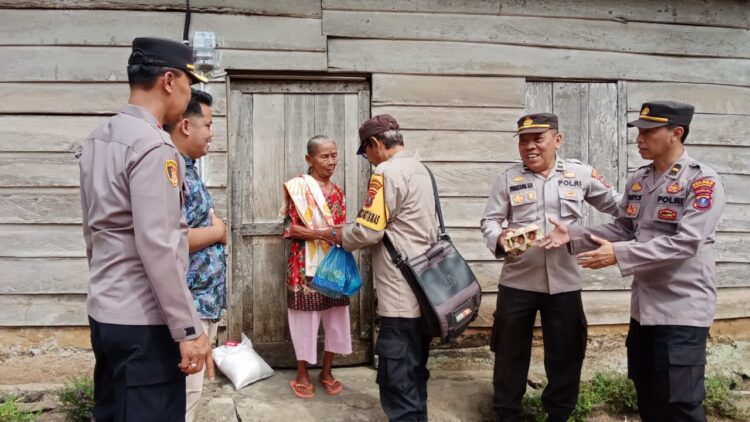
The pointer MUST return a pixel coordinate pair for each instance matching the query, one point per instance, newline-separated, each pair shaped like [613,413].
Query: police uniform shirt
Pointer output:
[400,203]
[136,236]
[521,197]
[672,217]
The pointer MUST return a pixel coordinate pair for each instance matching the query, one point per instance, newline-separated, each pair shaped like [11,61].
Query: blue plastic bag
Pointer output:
[337,275]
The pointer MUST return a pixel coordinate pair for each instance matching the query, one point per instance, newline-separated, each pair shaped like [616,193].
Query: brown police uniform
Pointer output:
[400,205]
[665,240]
[541,280]
[139,306]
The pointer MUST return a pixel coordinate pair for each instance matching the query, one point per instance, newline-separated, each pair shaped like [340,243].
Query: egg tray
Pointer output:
[522,239]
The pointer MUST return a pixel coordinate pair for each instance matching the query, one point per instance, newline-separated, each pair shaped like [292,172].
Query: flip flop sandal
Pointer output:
[331,387]
[301,390]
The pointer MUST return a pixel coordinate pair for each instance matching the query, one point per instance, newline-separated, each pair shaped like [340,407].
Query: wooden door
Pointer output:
[592,120]
[270,122]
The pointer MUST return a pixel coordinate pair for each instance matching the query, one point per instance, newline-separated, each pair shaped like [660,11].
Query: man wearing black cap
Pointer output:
[145,332]
[401,204]
[538,280]
[665,240]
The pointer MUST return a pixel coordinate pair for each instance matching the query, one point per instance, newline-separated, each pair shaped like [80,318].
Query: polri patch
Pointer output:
[170,167]
[703,190]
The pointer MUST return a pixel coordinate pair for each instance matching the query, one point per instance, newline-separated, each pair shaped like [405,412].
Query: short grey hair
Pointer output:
[391,138]
[316,141]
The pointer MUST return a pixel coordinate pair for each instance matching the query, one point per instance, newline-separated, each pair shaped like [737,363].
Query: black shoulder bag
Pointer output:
[446,289]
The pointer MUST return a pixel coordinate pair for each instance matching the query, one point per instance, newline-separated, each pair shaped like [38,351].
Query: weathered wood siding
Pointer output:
[463,128]
[63,74]
[454,73]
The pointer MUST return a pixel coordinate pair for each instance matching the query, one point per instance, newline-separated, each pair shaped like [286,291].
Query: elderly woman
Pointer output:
[314,206]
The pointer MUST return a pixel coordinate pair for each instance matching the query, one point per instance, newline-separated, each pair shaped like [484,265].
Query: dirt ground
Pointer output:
[29,356]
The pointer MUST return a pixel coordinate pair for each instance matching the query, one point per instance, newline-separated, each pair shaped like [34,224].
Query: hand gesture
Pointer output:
[557,237]
[194,354]
[501,243]
[220,227]
[602,257]
[328,236]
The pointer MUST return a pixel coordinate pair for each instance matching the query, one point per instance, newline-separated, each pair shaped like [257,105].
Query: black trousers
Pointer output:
[402,350]
[666,364]
[565,333]
[136,377]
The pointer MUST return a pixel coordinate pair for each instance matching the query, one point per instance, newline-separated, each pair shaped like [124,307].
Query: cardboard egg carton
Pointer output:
[518,241]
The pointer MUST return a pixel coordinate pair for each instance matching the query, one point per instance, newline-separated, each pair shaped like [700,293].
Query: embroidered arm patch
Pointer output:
[374,215]
[703,190]
[170,167]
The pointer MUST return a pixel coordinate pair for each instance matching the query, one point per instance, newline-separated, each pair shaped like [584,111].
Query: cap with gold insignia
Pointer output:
[536,123]
[166,53]
[663,113]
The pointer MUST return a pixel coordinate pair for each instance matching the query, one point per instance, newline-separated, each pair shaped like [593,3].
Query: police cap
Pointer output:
[663,113]
[166,53]
[536,123]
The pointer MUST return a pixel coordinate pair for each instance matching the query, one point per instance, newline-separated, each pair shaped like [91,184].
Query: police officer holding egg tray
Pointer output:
[534,279]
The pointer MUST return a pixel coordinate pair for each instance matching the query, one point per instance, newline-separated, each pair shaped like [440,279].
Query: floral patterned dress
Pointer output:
[300,296]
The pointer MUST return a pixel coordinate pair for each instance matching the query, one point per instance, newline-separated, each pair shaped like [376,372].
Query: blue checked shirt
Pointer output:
[207,269]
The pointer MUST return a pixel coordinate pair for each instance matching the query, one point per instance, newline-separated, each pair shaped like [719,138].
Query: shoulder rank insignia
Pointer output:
[170,167]
[703,190]
[374,215]
[636,187]
[519,179]
[674,187]
[675,169]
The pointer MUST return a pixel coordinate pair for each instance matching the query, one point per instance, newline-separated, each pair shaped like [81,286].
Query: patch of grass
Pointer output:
[9,411]
[720,401]
[616,393]
[77,399]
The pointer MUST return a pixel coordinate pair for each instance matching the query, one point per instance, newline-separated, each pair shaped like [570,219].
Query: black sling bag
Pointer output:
[446,289]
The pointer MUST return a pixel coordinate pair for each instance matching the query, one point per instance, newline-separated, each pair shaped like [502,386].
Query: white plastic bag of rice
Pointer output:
[240,363]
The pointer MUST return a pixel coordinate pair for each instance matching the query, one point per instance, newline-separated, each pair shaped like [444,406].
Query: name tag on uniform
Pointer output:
[521,186]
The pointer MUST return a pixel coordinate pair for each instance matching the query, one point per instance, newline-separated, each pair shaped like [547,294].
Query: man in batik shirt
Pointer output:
[207,234]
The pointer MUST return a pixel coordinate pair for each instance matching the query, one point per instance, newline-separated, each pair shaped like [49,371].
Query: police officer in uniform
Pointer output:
[540,280]
[145,332]
[665,240]
[400,204]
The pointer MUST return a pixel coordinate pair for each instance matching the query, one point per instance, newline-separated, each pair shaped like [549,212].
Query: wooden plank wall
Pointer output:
[462,124]
[63,74]
[453,73]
